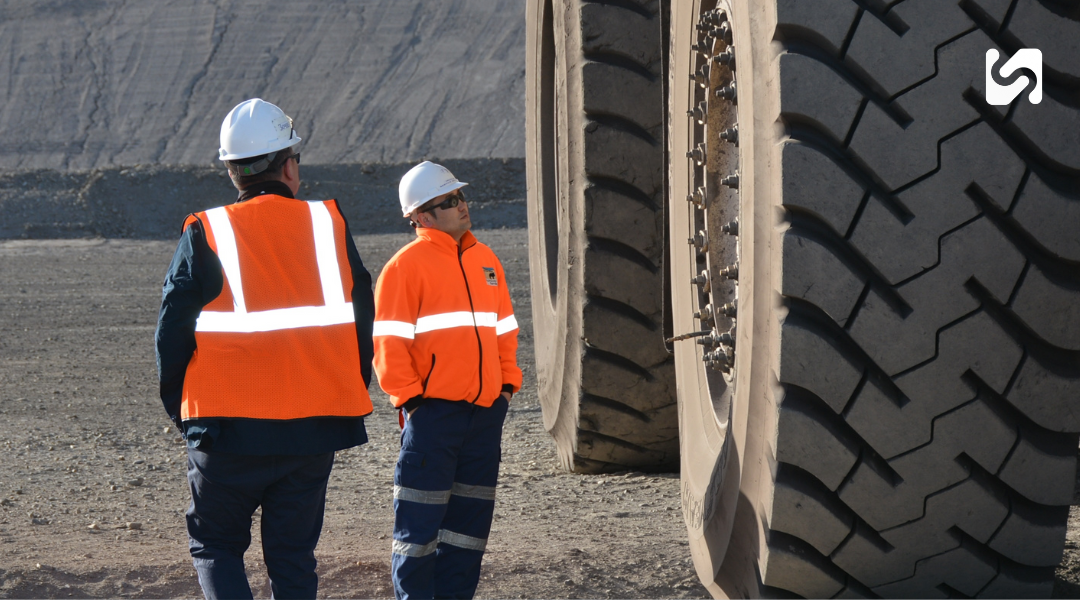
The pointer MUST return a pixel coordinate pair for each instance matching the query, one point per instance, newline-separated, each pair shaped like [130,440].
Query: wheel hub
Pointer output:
[714,162]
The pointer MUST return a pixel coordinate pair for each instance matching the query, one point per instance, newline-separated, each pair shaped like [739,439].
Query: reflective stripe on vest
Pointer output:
[445,321]
[335,311]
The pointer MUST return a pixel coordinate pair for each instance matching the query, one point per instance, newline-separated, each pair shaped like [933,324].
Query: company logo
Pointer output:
[1025,58]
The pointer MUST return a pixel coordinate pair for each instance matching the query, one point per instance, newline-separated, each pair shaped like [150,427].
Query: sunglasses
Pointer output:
[296,156]
[450,202]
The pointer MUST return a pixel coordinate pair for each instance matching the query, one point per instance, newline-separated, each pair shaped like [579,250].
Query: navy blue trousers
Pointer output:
[225,491]
[444,497]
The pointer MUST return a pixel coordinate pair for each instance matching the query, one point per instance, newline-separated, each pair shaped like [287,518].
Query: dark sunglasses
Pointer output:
[296,156]
[450,202]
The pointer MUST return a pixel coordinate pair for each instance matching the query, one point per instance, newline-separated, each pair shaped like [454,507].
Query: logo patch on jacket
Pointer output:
[489,275]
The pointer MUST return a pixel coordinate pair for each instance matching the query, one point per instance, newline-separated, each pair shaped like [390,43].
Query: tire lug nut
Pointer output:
[732,181]
[705,314]
[727,92]
[698,154]
[708,341]
[702,280]
[731,228]
[715,16]
[715,362]
[702,75]
[698,112]
[731,135]
[700,241]
[731,272]
[725,32]
[697,198]
[726,57]
[702,47]
[718,358]
[718,339]
[728,310]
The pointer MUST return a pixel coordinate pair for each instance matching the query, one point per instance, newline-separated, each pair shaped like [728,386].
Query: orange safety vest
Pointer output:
[444,326]
[279,341]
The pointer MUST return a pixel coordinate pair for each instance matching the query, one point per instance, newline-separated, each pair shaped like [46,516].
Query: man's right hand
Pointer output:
[414,402]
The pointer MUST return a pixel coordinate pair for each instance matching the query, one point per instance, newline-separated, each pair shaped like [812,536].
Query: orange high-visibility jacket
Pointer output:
[279,341]
[444,326]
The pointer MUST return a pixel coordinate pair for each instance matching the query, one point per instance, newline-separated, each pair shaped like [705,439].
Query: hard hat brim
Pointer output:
[267,150]
[415,205]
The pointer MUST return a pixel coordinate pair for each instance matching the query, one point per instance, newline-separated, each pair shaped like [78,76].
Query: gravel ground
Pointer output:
[92,488]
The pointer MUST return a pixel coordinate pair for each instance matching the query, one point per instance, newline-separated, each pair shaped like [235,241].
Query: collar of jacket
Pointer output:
[276,188]
[445,240]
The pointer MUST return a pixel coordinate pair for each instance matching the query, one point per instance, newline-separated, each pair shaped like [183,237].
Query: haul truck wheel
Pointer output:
[888,405]
[595,175]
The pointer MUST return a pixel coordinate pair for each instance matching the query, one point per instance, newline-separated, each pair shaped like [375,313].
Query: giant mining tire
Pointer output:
[886,398]
[595,167]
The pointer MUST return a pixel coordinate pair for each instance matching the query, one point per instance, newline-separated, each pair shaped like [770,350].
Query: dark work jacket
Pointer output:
[193,280]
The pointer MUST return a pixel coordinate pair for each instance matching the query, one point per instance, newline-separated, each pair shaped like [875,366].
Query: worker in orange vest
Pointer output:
[446,353]
[264,356]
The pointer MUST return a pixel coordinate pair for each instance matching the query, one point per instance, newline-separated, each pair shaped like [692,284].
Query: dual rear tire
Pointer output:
[895,414]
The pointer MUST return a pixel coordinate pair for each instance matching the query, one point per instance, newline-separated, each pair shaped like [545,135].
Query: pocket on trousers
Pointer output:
[413,459]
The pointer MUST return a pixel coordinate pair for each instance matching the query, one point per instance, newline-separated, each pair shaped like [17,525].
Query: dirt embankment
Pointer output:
[150,202]
[91,84]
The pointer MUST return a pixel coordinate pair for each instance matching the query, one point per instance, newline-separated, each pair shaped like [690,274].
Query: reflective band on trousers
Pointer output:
[479,492]
[461,540]
[421,496]
[446,537]
[445,321]
[335,311]
[413,550]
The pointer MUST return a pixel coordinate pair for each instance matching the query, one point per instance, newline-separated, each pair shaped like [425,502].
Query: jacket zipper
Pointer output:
[472,309]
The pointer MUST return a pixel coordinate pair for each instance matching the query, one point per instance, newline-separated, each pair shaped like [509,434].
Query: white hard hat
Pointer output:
[253,128]
[424,182]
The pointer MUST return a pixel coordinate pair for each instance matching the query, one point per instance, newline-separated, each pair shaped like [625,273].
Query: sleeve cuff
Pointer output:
[508,387]
[413,402]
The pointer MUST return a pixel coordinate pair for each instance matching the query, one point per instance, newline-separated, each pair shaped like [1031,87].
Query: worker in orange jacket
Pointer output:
[445,351]
[264,355]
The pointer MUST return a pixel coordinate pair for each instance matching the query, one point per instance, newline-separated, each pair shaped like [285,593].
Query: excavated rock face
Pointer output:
[94,84]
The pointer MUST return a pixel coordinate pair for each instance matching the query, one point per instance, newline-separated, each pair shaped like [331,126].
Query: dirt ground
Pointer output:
[93,489]
[92,485]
